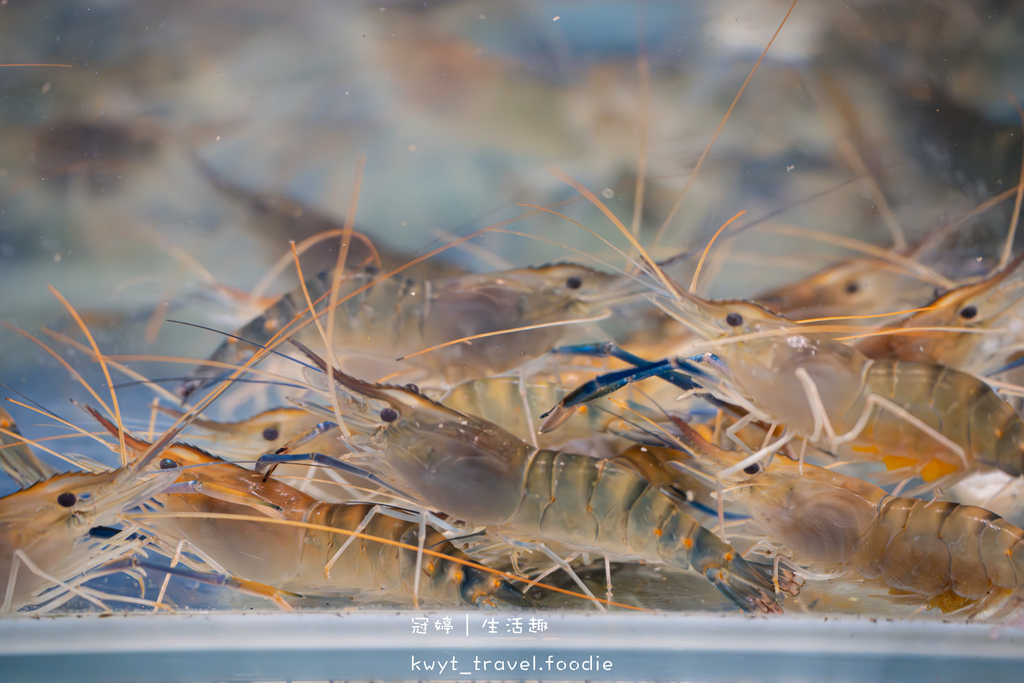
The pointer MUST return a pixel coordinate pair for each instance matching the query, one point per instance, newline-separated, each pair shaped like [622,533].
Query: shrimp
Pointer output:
[954,556]
[392,316]
[17,459]
[307,561]
[478,472]
[265,432]
[45,528]
[973,308]
[827,392]
[854,287]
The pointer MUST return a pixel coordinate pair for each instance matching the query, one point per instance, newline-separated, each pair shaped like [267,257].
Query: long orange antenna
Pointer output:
[103,364]
[707,150]
[469,340]
[1008,248]
[323,335]
[576,185]
[707,249]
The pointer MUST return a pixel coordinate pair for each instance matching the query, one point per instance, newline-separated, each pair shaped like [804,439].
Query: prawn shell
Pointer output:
[818,524]
[916,559]
[647,523]
[1008,430]
[1003,554]
[962,532]
[891,519]
[471,472]
[265,553]
[569,514]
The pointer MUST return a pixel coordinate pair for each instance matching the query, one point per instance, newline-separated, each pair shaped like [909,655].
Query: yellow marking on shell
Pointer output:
[590,508]
[873,450]
[458,576]
[6,424]
[937,468]
[688,543]
[657,532]
[897,462]
[705,431]
[728,557]
[270,325]
[583,409]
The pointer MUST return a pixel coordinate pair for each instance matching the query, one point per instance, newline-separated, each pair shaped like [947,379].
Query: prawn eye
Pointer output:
[734,319]
[852,287]
[413,388]
[969,312]
[167,464]
[574,282]
[753,469]
[271,433]
[66,499]
[388,414]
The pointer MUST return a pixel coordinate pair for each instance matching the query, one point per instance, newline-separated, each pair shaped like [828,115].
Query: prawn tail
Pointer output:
[742,582]
[786,579]
[480,590]
[510,595]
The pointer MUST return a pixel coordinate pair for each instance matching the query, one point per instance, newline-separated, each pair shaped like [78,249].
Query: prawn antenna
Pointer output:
[714,137]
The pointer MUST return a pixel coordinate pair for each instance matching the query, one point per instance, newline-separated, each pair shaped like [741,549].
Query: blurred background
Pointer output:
[159,165]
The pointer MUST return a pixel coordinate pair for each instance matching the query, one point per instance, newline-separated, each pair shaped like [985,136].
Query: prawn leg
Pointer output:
[613,350]
[213,579]
[21,557]
[273,459]
[668,370]
[562,564]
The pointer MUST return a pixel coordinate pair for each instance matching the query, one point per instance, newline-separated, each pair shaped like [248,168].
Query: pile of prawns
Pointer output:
[502,449]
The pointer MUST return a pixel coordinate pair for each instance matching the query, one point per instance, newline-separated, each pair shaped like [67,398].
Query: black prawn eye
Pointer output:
[167,464]
[852,287]
[413,388]
[66,499]
[388,414]
[574,282]
[271,433]
[753,469]
[969,312]
[734,319]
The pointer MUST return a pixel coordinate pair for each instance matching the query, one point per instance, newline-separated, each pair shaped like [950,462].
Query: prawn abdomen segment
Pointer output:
[580,501]
[962,531]
[1002,553]
[867,554]
[917,559]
